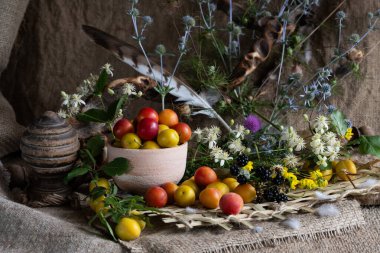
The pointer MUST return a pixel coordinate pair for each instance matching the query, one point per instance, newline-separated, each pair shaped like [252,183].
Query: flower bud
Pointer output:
[110,91]
[160,49]
[147,20]
[188,21]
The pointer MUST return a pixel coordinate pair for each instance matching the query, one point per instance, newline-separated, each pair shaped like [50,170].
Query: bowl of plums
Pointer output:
[155,145]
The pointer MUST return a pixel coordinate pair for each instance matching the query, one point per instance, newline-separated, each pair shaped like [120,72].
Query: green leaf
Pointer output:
[106,225]
[87,157]
[95,145]
[93,115]
[101,83]
[370,145]
[76,172]
[97,192]
[339,122]
[118,166]
[114,108]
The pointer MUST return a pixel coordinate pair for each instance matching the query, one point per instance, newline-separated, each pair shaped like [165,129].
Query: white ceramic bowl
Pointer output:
[149,167]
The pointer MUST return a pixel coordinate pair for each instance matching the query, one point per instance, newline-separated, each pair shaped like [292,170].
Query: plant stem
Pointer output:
[283,40]
[139,42]
[218,49]
[230,38]
[267,120]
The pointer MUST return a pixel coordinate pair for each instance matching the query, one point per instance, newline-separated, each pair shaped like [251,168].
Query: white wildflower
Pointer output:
[322,161]
[328,136]
[198,133]
[139,94]
[211,136]
[108,68]
[292,138]
[76,100]
[321,124]
[291,160]
[62,114]
[236,146]
[83,90]
[66,98]
[299,144]
[129,89]
[72,111]
[119,114]
[220,156]
[240,131]
[317,144]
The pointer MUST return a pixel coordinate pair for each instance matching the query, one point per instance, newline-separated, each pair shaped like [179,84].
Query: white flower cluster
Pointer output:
[220,156]
[211,136]
[208,135]
[129,89]
[236,146]
[321,124]
[72,103]
[108,68]
[293,140]
[290,160]
[87,86]
[325,146]
[240,131]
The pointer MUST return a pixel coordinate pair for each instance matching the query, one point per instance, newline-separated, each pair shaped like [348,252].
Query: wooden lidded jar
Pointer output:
[49,146]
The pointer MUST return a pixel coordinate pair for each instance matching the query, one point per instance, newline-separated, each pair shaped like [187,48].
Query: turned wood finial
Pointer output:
[49,147]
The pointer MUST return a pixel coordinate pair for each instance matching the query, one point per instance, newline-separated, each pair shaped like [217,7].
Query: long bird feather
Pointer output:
[134,58]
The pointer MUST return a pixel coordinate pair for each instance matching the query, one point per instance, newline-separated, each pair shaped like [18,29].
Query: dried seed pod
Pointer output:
[297,69]
[184,110]
[355,55]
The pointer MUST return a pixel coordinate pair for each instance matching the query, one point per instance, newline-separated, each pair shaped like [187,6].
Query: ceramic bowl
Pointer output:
[149,167]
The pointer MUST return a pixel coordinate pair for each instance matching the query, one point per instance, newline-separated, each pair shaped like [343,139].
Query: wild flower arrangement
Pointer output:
[260,151]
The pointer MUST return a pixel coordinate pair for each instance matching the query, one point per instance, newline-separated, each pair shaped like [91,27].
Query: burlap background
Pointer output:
[11,14]
[52,53]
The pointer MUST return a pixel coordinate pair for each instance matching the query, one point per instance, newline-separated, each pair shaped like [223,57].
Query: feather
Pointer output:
[257,229]
[291,223]
[190,210]
[368,183]
[308,52]
[322,196]
[327,210]
[134,58]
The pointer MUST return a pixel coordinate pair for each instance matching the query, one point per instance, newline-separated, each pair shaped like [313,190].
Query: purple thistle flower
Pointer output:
[252,123]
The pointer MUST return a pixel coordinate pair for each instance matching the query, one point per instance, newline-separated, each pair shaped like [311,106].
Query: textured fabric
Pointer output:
[11,14]
[10,130]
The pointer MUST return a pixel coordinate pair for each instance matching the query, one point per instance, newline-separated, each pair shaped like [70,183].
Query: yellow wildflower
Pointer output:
[348,135]
[291,178]
[294,183]
[307,183]
[318,178]
[315,175]
[249,166]
[322,182]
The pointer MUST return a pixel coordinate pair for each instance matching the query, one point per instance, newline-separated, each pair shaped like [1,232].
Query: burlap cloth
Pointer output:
[11,14]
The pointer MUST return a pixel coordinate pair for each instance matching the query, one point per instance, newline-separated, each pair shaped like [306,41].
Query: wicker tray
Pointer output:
[302,201]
